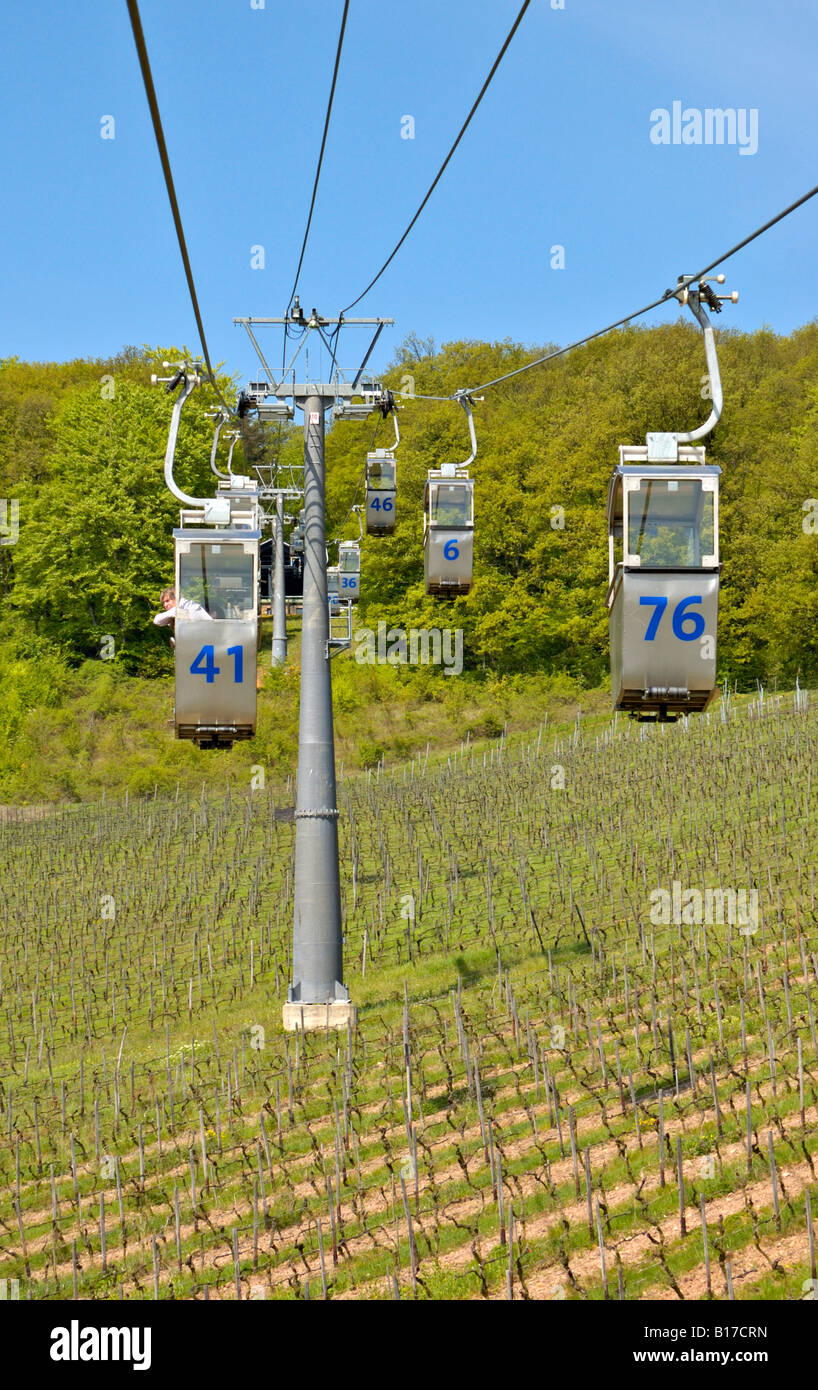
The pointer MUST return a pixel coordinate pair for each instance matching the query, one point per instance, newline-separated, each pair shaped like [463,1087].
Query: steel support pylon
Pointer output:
[317,995]
[279,655]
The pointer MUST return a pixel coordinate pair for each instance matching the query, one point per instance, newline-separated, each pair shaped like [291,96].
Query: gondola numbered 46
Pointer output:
[381,492]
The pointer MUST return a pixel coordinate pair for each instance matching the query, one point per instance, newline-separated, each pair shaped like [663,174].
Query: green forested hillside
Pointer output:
[82,447]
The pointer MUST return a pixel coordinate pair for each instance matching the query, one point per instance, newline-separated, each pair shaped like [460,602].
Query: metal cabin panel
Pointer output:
[350,586]
[380,511]
[216,702]
[448,557]
[660,652]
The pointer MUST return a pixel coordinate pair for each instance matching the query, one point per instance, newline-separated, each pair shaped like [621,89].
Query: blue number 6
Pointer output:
[680,617]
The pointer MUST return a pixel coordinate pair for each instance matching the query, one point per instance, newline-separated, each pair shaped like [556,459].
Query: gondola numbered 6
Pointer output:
[448,539]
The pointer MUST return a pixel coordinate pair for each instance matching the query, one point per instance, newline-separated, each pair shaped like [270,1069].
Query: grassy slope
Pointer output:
[171,920]
[79,735]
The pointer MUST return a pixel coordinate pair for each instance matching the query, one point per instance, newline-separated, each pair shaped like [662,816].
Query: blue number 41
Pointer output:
[204,664]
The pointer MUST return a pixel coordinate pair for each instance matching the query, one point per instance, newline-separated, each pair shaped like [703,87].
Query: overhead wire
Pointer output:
[683,283]
[150,92]
[515,26]
[378,424]
[321,154]
[336,67]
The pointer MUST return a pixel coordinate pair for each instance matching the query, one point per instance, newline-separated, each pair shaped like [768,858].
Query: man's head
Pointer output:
[168,598]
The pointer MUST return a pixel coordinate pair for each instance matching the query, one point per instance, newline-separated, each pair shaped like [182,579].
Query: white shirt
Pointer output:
[186,608]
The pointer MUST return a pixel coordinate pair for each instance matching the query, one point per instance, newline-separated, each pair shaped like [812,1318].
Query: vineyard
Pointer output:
[575,1074]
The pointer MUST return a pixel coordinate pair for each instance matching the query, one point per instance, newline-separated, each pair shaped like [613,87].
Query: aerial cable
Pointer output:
[683,282]
[150,92]
[442,168]
[321,155]
[363,474]
[739,246]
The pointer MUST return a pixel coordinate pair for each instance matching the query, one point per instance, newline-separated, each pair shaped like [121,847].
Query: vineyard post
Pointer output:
[681,1181]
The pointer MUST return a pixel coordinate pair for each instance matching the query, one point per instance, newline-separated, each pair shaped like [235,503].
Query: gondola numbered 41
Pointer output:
[215,655]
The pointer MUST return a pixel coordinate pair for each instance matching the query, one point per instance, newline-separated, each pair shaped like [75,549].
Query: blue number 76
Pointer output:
[680,617]
[660,602]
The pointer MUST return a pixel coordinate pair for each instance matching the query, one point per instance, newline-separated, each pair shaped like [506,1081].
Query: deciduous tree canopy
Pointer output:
[82,447]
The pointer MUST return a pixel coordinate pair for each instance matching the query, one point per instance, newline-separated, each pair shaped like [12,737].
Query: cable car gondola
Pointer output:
[448,531]
[448,522]
[381,492]
[663,559]
[663,583]
[381,482]
[215,655]
[216,559]
[349,570]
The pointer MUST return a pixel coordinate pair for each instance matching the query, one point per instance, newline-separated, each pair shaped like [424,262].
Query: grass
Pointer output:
[75,735]
[509,946]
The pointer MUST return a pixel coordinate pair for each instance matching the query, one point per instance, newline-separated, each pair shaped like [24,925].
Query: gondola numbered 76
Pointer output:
[663,548]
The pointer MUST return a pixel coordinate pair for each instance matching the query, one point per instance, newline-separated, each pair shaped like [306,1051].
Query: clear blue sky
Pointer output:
[559,153]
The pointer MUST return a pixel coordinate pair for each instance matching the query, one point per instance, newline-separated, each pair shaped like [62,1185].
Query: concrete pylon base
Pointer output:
[314,1018]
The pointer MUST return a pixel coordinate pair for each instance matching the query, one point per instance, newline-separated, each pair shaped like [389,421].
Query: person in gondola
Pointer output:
[171,606]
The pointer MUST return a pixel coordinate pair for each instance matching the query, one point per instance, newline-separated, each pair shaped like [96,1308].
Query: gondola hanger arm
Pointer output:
[221,419]
[467,400]
[187,376]
[693,297]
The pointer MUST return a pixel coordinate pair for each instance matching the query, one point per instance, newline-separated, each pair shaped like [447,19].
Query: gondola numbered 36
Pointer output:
[349,570]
